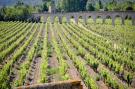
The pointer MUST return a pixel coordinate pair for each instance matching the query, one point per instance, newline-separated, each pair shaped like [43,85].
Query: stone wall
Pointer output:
[85,15]
[69,84]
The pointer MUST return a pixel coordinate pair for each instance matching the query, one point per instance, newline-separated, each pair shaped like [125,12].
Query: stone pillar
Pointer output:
[133,21]
[45,19]
[123,21]
[52,19]
[113,21]
[60,19]
[85,19]
[68,19]
[76,19]
[103,21]
[94,19]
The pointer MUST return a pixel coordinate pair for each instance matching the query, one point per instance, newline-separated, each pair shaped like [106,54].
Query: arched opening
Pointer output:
[80,19]
[90,20]
[56,19]
[42,19]
[118,20]
[99,20]
[64,19]
[48,19]
[72,19]
[108,20]
[128,20]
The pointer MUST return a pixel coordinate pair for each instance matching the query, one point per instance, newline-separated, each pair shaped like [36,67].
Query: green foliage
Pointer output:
[17,12]
[19,3]
[98,5]
[44,55]
[82,5]
[13,13]
[62,63]
[45,7]
[89,81]
[70,5]
[124,6]
[90,7]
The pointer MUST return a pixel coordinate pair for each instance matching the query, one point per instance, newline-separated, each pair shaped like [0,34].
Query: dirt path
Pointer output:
[16,67]
[38,60]
[53,65]
[34,72]
[37,70]
[92,73]
[73,72]
[53,62]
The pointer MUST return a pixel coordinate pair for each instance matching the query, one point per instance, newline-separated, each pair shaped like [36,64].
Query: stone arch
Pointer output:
[82,17]
[75,17]
[133,19]
[71,17]
[117,15]
[94,17]
[85,16]
[56,18]
[101,17]
[88,17]
[130,17]
[121,18]
[114,16]
[107,17]
[64,18]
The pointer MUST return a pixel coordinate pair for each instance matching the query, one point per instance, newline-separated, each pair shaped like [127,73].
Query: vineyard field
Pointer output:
[101,56]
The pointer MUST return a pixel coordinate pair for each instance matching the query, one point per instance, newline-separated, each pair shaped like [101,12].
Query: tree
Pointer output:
[45,7]
[15,13]
[82,4]
[68,5]
[98,5]
[112,5]
[1,16]
[89,6]
[19,3]
[2,13]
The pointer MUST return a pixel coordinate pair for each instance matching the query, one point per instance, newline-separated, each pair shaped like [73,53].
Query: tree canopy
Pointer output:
[20,11]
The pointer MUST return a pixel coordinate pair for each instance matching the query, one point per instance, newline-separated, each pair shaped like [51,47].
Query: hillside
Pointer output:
[37,2]
[12,2]
[107,1]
